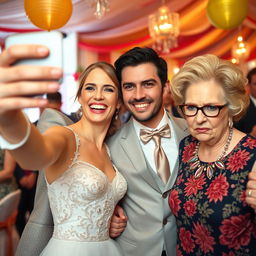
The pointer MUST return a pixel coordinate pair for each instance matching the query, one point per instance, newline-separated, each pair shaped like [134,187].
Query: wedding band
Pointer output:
[249,193]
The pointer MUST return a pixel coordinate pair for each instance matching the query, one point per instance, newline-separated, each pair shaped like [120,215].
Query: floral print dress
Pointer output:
[212,215]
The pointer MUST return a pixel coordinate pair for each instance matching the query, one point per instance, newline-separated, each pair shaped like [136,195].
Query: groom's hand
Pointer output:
[118,222]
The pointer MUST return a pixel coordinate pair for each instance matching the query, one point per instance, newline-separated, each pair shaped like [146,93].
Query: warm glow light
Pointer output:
[240,50]
[233,60]
[240,39]
[241,45]
[164,29]
[176,70]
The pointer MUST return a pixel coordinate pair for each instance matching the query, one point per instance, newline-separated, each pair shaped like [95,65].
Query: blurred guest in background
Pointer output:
[247,123]
[168,102]
[26,181]
[209,195]
[7,167]
[55,102]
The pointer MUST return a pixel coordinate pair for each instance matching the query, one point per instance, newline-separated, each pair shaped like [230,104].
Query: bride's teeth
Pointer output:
[98,107]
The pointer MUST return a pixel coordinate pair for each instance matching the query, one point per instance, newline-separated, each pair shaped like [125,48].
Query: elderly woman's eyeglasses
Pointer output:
[208,110]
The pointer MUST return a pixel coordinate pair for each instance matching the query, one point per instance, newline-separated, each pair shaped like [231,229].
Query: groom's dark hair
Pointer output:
[137,56]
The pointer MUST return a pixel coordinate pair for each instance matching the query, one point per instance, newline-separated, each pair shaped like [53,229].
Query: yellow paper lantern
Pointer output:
[227,14]
[48,14]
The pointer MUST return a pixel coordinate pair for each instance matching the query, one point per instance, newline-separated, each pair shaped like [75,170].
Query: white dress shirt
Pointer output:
[168,144]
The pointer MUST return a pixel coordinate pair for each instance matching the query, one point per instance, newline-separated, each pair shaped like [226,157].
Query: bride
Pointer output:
[83,185]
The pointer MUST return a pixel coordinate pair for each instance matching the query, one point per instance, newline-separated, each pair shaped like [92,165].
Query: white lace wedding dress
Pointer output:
[82,201]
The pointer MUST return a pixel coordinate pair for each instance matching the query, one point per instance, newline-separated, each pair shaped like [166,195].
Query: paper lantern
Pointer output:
[227,14]
[48,14]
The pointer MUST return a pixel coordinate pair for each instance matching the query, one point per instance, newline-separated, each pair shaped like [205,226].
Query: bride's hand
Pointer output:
[19,83]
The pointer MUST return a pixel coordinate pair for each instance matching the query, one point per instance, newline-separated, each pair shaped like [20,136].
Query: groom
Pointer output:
[151,227]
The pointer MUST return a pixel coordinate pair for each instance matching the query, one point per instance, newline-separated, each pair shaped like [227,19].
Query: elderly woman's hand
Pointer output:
[251,188]
[19,83]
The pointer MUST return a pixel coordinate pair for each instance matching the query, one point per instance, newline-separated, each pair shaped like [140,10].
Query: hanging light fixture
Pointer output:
[164,29]
[101,7]
[240,50]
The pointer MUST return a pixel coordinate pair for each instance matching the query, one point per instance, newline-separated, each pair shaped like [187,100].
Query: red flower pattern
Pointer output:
[217,189]
[178,251]
[188,152]
[179,179]
[174,202]
[238,160]
[250,143]
[203,237]
[212,215]
[190,207]
[194,184]
[187,242]
[228,254]
[236,231]
[242,197]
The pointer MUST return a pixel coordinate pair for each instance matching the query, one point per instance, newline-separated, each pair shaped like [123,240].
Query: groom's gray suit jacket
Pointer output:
[39,228]
[151,225]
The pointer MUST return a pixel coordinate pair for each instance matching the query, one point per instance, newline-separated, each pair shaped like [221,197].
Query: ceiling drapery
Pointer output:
[125,26]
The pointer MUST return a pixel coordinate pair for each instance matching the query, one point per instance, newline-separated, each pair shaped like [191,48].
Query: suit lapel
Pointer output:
[180,130]
[132,148]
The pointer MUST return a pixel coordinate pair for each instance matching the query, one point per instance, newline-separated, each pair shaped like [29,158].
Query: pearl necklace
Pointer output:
[195,163]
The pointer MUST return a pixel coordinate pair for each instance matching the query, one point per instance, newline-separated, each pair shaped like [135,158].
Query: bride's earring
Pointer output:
[116,114]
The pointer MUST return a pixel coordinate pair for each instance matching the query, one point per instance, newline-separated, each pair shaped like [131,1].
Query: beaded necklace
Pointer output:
[209,168]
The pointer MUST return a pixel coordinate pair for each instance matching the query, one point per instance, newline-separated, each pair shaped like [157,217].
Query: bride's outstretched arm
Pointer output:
[17,85]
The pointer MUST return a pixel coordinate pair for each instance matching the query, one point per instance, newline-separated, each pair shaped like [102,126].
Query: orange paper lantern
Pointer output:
[227,14]
[48,14]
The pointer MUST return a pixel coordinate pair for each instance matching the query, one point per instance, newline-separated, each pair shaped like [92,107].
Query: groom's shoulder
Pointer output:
[118,135]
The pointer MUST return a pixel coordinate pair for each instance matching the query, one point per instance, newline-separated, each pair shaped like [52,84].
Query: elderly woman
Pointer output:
[208,198]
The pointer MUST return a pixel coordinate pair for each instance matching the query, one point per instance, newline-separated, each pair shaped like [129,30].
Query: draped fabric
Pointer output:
[125,26]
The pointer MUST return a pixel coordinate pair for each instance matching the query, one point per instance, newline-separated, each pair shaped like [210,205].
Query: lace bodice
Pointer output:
[82,201]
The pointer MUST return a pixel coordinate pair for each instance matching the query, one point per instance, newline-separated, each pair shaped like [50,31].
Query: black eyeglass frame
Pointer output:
[220,107]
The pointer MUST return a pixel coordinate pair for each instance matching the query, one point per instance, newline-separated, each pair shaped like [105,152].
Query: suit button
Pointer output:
[165,194]
[164,222]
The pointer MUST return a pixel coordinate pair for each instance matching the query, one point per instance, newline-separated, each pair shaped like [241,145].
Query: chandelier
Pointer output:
[101,7]
[240,50]
[164,29]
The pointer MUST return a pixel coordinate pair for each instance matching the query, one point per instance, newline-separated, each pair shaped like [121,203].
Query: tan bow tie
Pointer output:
[161,161]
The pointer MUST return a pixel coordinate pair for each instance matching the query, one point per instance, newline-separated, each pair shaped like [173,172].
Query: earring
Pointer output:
[116,114]
[79,112]
[230,123]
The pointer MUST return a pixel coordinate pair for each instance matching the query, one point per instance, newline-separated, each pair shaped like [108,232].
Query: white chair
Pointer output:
[9,237]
